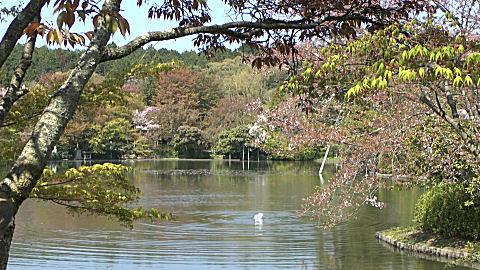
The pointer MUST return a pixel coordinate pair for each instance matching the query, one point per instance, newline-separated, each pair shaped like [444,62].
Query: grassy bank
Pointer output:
[408,238]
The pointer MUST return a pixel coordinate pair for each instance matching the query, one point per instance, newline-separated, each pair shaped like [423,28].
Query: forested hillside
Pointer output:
[47,60]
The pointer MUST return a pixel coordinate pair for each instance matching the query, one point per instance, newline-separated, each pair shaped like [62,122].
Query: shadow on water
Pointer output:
[214,202]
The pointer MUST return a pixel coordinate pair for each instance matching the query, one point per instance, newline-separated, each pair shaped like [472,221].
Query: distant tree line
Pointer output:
[46,60]
[152,103]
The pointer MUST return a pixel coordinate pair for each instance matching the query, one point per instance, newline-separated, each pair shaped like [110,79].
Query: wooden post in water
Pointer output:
[243,157]
[324,159]
[321,178]
[229,159]
[336,163]
[248,158]
[392,166]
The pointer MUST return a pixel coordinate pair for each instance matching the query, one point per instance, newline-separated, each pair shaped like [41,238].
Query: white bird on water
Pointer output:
[258,218]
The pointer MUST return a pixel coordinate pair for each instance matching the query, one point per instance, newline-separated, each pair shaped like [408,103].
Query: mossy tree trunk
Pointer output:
[5,243]
[26,171]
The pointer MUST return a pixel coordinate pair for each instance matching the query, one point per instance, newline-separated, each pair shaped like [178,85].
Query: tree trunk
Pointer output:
[26,171]
[5,246]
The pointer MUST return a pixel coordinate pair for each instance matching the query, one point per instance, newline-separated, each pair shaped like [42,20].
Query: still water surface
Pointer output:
[214,203]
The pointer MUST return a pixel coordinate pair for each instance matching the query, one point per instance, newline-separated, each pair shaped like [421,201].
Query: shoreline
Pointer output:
[429,246]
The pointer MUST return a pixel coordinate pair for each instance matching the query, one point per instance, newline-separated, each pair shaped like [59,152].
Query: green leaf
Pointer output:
[468,80]
[308,72]
[388,75]
[448,73]
[380,68]
[421,72]
[438,70]
[458,81]
[457,71]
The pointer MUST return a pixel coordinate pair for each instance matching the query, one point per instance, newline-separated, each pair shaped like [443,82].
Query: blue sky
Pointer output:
[139,24]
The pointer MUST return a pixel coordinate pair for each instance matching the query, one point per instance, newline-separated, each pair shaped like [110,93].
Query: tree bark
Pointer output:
[15,91]
[15,29]
[5,243]
[26,171]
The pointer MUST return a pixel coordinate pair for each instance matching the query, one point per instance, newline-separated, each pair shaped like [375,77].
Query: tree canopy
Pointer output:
[400,100]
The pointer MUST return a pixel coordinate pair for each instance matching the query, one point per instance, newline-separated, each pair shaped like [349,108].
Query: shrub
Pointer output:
[233,141]
[311,153]
[190,142]
[165,151]
[112,140]
[443,210]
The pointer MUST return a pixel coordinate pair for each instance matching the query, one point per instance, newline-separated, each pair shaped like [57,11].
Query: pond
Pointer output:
[214,203]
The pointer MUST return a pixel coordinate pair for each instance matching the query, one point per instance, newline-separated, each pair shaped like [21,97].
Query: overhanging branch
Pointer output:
[228,29]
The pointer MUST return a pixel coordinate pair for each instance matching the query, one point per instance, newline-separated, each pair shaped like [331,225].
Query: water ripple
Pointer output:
[214,227]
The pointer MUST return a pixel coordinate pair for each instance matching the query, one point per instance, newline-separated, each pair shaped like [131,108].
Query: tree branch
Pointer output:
[229,29]
[470,143]
[28,117]
[425,100]
[439,104]
[452,103]
[15,30]
[15,91]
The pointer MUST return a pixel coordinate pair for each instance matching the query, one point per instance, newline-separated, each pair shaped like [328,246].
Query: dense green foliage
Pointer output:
[234,141]
[135,107]
[101,189]
[448,210]
[112,138]
[456,165]
[190,142]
